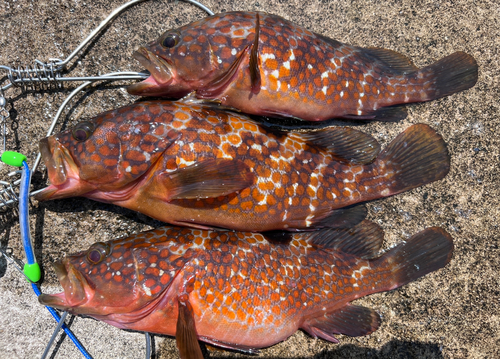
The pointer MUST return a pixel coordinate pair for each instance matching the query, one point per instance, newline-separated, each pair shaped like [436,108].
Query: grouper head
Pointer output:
[104,158]
[113,281]
[195,56]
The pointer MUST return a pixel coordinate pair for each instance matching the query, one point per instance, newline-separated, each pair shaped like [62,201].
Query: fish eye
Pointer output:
[97,252]
[83,131]
[171,40]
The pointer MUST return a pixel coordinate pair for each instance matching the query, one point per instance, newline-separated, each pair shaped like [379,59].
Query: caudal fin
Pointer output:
[414,158]
[422,254]
[454,73]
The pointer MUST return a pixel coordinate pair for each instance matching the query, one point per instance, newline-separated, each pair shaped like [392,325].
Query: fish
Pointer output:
[242,290]
[265,65]
[195,165]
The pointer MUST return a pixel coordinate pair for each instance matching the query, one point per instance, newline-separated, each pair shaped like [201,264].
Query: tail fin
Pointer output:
[422,254]
[416,157]
[454,73]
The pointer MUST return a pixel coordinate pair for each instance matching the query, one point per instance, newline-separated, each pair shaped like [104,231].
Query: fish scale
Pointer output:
[265,65]
[243,290]
[201,166]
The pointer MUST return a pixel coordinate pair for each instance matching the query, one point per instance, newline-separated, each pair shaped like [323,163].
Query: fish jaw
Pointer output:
[162,75]
[63,172]
[76,289]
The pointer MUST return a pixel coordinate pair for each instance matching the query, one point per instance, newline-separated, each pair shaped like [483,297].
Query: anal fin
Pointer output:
[341,218]
[384,114]
[363,240]
[350,320]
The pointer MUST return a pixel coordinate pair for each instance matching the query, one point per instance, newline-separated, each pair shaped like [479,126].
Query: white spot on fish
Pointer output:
[324,90]
[309,66]
[286,65]
[128,169]
[233,52]
[266,56]
[276,74]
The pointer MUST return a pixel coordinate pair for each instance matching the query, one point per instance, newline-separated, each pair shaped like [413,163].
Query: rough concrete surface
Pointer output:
[452,313]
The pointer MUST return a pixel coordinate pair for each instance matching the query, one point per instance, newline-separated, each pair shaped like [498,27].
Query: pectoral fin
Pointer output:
[185,335]
[217,86]
[207,179]
[254,60]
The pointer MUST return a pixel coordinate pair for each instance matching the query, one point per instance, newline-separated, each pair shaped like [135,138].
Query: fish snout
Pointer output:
[160,70]
[52,156]
[73,284]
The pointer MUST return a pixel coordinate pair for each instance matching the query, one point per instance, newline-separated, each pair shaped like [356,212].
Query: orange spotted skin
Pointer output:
[246,292]
[298,73]
[134,151]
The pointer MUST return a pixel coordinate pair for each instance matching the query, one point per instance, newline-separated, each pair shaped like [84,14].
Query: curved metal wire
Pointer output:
[46,75]
[43,75]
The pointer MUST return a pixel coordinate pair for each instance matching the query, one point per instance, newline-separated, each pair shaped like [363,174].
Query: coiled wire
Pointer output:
[38,76]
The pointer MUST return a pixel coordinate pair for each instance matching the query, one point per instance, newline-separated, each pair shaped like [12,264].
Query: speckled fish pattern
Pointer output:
[189,164]
[244,290]
[263,64]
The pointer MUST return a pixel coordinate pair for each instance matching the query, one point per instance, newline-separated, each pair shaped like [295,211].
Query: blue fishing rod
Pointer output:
[32,269]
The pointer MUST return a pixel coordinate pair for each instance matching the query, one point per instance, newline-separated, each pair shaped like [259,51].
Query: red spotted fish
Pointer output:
[265,65]
[242,290]
[197,165]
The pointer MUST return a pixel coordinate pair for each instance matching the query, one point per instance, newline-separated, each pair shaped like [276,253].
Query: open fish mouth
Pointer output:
[160,70]
[62,170]
[73,284]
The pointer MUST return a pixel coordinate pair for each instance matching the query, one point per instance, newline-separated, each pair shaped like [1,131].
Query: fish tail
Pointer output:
[425,252]
[454,73]
[414,158]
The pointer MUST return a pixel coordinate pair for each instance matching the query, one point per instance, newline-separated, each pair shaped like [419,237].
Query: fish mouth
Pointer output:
[73,283]
[62,170]
[160,70]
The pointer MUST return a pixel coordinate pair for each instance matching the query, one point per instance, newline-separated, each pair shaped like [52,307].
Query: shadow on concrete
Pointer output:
[395,349]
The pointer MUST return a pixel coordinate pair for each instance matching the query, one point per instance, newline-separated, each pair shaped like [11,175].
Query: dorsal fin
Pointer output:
[364,240]
[397,62]
[345,144]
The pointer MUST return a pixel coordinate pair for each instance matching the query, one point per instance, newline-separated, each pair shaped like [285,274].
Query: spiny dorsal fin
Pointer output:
[364,240]
[345,144]
[398,63]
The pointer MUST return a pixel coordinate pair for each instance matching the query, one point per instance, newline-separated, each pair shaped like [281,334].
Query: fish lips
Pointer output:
[73,284]
[160,70]
[62,170]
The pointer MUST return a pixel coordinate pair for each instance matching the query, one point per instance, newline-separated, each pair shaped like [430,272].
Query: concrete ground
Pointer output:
[452,313]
